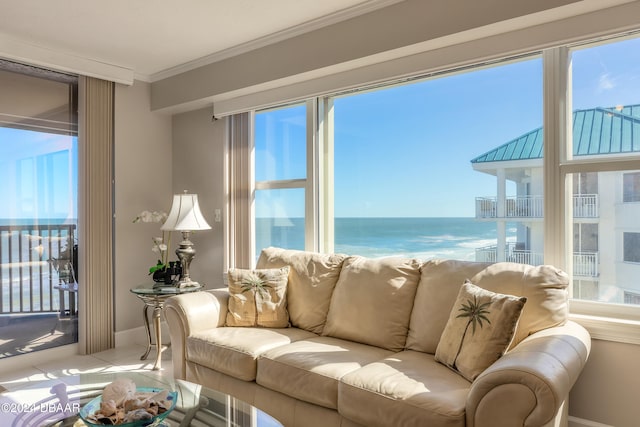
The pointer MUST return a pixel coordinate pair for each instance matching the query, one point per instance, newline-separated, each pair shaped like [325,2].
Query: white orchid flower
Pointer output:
[160,244]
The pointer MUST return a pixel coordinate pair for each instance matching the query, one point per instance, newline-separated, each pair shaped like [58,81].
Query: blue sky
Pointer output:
[35,169]
[406,150]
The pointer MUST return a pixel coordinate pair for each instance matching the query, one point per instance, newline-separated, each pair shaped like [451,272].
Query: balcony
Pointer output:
[584,206]
[34,261]
[585,264]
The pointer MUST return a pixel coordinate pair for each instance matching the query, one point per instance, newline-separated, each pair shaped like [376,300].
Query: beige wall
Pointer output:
[608,388]
[395,27]
[198,166]
[143,181]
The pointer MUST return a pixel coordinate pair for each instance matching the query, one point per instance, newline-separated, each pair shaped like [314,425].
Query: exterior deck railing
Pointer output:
[584,206]
[34,259]
[585,264]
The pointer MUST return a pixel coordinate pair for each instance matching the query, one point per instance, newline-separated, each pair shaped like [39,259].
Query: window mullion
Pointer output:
[557,108]
[311,216]
[325,176]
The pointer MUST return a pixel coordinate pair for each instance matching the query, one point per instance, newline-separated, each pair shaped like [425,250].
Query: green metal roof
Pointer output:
[595,131]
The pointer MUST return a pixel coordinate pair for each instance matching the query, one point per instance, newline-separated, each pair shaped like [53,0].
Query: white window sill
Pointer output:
[609,329]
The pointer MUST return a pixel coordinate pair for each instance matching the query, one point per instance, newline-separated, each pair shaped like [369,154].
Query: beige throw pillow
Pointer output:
[258,298]
[480,328]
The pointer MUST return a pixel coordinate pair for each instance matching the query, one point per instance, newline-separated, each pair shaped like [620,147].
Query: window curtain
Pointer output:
[95,212]
[240,190]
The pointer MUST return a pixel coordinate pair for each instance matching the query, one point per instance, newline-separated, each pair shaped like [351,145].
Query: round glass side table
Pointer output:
[154,295]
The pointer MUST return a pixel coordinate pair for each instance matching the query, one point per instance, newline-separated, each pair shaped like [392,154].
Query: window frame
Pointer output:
[626,234]
[608,321]
[634,191]
[308,184]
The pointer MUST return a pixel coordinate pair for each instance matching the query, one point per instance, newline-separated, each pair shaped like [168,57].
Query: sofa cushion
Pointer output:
[310,369]
[258,297]
[440,282]
[480,328]
[372,301]
[311,281]
[405,389]
[234,351]
[544,286]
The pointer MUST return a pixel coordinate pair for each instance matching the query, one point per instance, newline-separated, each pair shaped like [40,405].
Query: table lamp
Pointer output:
[185,216]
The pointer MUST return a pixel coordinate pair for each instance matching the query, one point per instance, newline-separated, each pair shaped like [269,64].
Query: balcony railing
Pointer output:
[34,259]
[584,206]
[585,264]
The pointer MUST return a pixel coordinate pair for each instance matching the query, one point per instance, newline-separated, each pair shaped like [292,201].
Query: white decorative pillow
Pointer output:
[258,298]
[480,328]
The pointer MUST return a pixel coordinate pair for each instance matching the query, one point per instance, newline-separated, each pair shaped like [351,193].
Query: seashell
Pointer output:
[119,390]
[121,403]
[152,409]
[108,407]
[133,404]
[103,419]
[137,415]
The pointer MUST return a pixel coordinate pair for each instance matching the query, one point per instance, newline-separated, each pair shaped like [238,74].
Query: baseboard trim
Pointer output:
[579,422]
[139,336]
[28,360]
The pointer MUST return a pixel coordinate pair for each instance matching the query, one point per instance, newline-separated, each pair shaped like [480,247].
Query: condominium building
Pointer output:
[605,207]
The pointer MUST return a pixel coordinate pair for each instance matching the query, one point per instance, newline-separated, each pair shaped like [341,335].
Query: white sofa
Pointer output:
[361,343]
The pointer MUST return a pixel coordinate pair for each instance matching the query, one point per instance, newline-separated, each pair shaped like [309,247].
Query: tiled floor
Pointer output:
[119,359]
[28,393]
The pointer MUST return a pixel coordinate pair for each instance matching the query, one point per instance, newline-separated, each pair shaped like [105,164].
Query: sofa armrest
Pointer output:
[530,384]
[189,313]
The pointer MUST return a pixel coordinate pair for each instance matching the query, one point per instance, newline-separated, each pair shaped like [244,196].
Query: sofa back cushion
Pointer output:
[545,288]
[312,279]
[372,301]
[440,283]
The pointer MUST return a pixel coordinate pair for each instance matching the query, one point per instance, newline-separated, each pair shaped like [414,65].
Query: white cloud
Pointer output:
[605,82]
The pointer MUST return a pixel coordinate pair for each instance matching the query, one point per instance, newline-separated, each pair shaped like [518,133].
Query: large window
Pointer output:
[604,144]
[38,216]
[280,174]
[454,166]
[408,163]
[411,160]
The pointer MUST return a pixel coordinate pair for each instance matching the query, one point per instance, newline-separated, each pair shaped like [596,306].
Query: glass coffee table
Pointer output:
[56,402]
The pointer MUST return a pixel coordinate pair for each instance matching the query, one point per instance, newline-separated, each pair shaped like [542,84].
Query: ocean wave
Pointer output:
[441,238]
[478,243]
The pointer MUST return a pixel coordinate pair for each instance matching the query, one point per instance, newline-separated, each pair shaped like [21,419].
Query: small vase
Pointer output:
[159,275]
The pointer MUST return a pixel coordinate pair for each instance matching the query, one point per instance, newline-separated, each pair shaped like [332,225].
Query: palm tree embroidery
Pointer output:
[257,285]
[476,314]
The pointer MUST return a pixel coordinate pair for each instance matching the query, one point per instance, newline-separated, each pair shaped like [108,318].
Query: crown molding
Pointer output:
[32,54]
[288,33]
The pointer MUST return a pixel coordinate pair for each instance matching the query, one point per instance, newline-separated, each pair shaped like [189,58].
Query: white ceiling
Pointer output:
[156,37]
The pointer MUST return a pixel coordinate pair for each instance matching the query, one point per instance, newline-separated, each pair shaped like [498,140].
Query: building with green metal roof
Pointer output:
[517,165]
[596,131]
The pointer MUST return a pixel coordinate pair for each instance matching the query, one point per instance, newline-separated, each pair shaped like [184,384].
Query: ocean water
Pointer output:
[423,238]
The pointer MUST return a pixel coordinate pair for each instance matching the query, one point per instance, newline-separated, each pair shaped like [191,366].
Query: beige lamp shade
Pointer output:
[185,214]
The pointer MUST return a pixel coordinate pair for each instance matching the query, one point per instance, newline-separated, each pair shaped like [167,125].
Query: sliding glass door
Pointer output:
[38,213]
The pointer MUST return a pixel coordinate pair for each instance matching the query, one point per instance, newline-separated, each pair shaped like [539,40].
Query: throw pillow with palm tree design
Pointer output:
[258,297]
[480,328]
